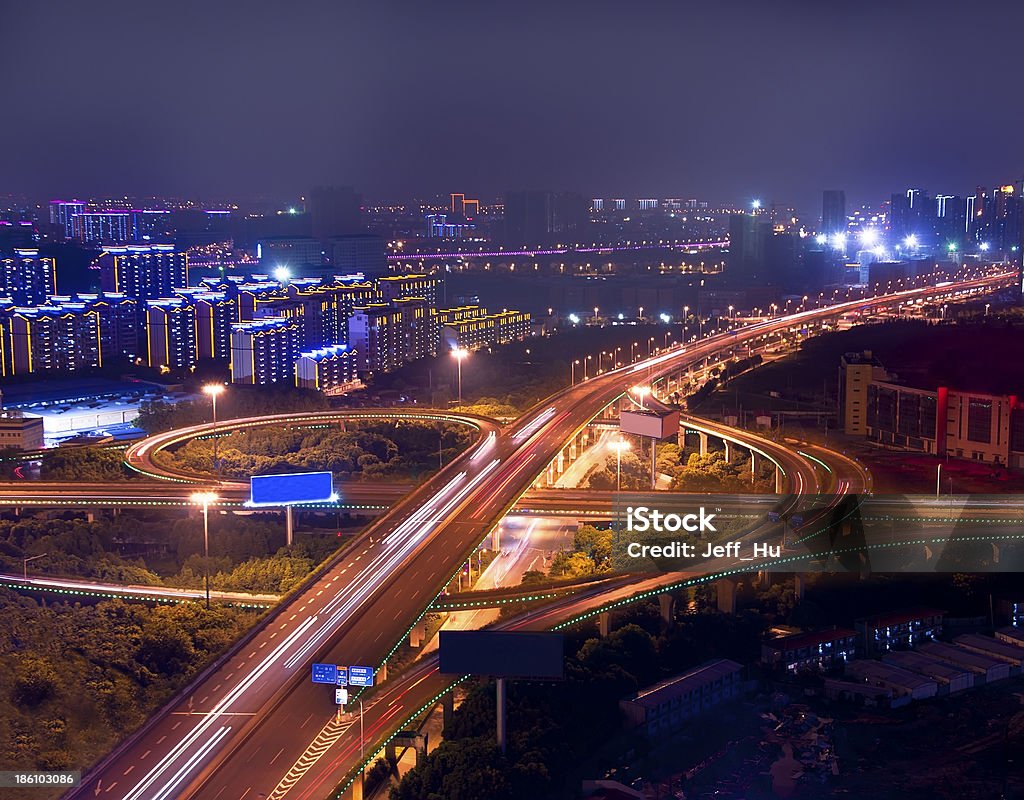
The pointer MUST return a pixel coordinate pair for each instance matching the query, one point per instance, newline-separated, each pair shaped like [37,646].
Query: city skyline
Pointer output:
[725,102]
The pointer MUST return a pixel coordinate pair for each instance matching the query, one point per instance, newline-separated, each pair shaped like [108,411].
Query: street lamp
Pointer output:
[459,353]
[213,390]
[574,363]
[618,446]
[24,564]
[641,392]
[205,499]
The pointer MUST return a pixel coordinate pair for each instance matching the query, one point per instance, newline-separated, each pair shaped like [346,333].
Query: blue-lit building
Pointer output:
[264,351]
[28,278]
[331,370]
[145,272]
[171,333]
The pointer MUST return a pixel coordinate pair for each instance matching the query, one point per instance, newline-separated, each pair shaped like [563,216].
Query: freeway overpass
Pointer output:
[229,743]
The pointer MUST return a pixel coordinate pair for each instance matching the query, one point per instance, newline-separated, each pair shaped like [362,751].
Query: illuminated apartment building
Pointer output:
[28,278]
[146,272]
[171,333]
[264,351]
[331,370]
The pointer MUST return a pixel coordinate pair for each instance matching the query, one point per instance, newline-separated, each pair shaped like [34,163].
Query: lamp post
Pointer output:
[618,446]
[574,363]
[213,390]
[24,564]
[641,392]
[459,353]
[585,366]
[205,499]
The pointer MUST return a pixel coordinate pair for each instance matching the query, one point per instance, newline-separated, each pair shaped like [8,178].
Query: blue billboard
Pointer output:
[286,490]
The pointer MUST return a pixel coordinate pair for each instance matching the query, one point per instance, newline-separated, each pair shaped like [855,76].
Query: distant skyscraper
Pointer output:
[748,237]
[62,212]
[833,211]
[358,252]
[334,211]
[533,218]
[101,227]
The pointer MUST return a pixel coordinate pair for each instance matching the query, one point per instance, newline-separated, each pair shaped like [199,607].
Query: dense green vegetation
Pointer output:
[368,450]
[84,464]
[709,473]
[246,553]
[75,679]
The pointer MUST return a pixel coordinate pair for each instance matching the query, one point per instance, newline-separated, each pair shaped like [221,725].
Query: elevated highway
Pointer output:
[229,744]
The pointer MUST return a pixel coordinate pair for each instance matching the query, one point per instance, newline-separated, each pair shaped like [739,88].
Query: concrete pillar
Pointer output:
[289,525]
[799,585]
[667,604]
[90,515]
[418,632]
[447,708]
[420,743]
[496,539]
[725,590]
[728,449]
[995,553]
[500,690]
[603,624]
[381,674]
[356,789]
[703,443]
[561,462]
[778,480]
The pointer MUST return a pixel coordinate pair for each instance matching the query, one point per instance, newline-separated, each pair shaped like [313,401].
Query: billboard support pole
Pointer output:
[654,463]
[289,523]
[501,714]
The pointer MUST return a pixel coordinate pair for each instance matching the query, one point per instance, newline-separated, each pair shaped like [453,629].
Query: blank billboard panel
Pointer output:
[656,424]
[284,490]
[502,654]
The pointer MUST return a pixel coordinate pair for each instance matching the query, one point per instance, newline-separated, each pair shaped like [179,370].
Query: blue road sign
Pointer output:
[325,673]
[342,677]
[360,676]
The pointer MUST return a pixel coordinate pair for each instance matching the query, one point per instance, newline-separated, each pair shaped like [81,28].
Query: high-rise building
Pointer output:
[536,217]
[331,370]
[471,327]
[334,211]
[376,334]
[68,334]
[358,253]
[101,227]
[62,213]
[149,225]
[215,314]
[833,212]
[748,240]
[28,278]
[426,287]
[146,272]
[293,253]
[171,333]
[264,351]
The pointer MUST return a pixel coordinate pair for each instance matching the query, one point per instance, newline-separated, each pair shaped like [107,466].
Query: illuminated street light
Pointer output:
[205,499]
[213,391]
[641,392]
[459,353]
[282,275]
[618,446]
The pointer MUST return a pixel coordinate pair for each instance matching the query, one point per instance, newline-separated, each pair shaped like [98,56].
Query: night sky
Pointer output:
[720,100]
